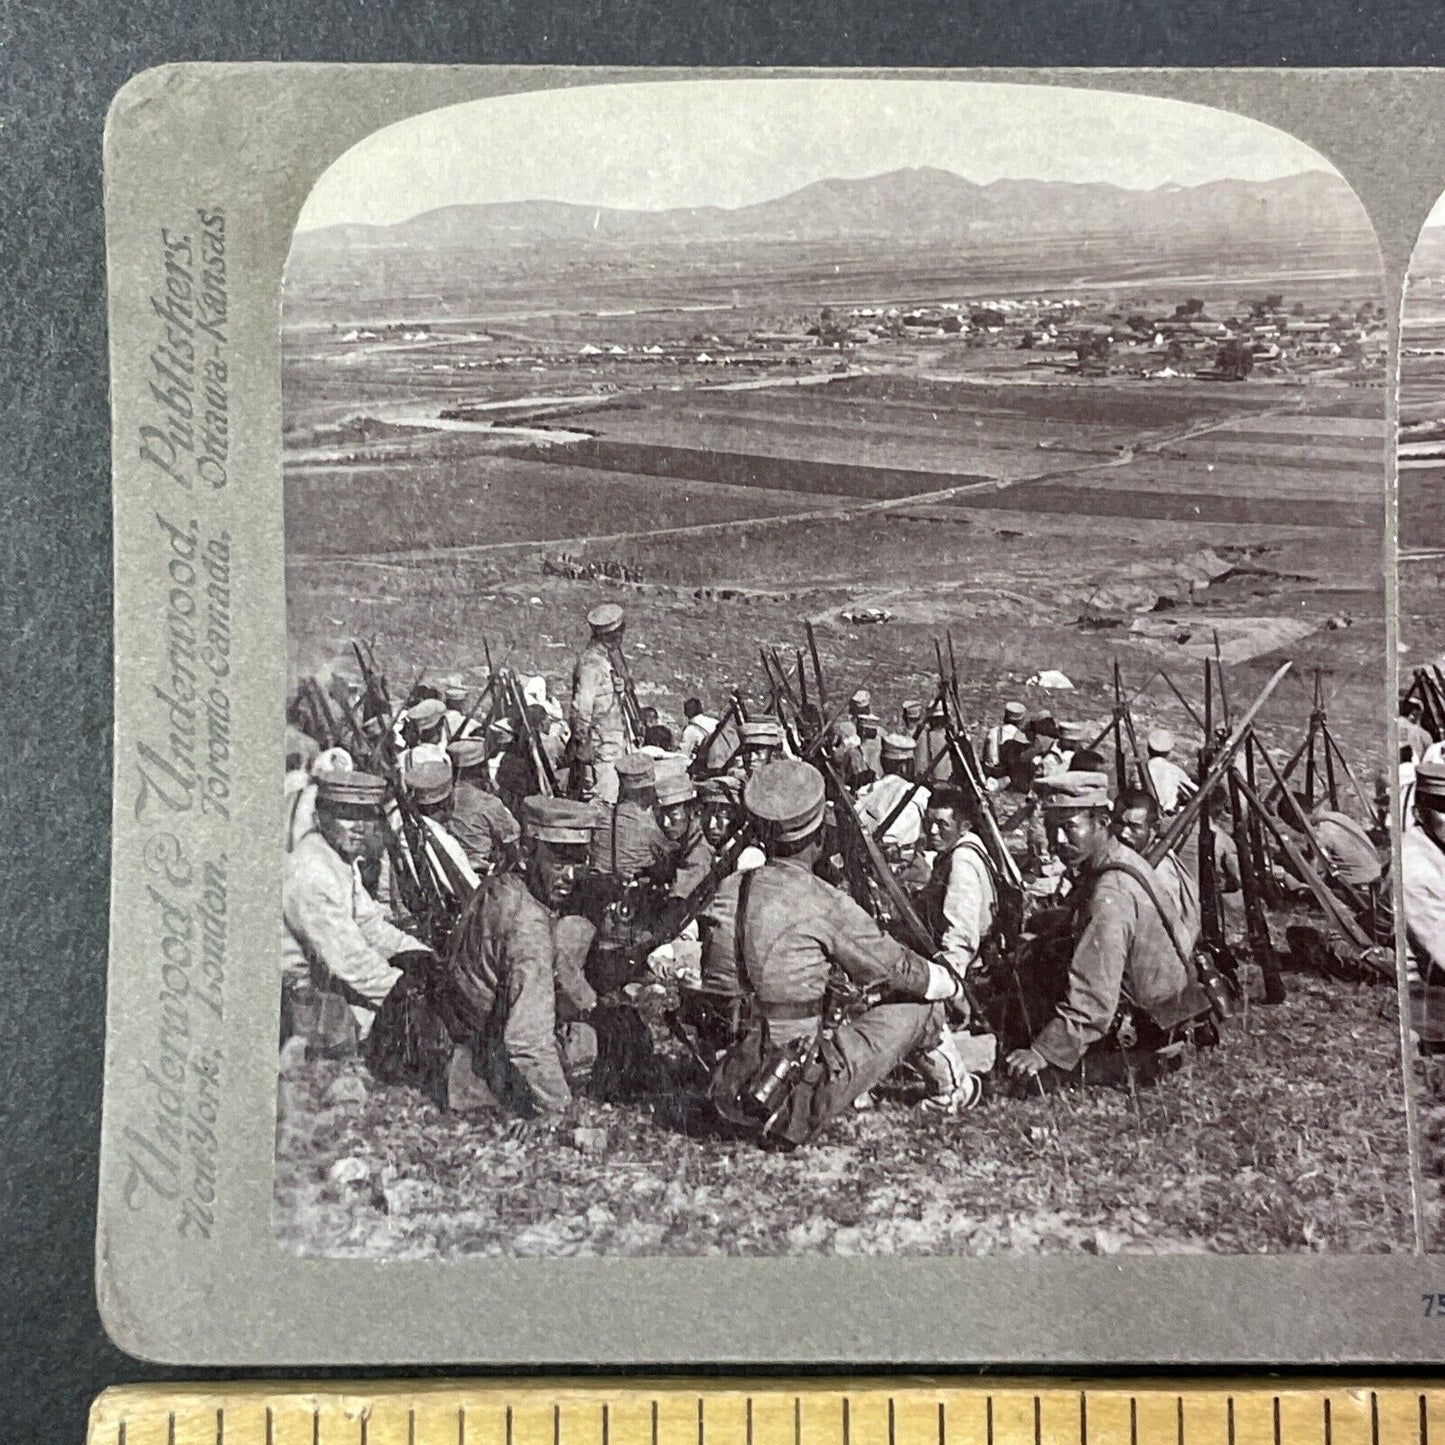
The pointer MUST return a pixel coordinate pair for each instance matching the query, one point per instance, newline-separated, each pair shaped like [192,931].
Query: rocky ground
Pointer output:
[1291,1137]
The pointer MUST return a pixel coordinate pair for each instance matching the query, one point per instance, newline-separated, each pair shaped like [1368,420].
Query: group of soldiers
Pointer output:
[478,890]
[1422,837]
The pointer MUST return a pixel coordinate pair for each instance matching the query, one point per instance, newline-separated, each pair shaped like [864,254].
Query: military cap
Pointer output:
[428,781]
[1161,741]
[557,820]
[787,796]
[1071,732]
[861,701]
[503,728]
[1430,786]
[912,711]
[897,746]
[333,760]
[936,710]
[675,786]
[635,770]
[763,732]
[467,753]
[1014,711]
[350,790]
[427,712]
[869,721]
[424,753]
[1075,790]
[604,619]
[722,788]
[1045,725]
[455,696]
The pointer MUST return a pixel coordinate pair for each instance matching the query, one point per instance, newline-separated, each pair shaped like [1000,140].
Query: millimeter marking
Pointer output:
[893,1411]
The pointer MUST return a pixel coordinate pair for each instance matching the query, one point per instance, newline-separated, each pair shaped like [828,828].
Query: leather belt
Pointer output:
[787,1011]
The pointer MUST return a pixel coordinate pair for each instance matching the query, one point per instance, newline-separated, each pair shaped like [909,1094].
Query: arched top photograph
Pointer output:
[836,643]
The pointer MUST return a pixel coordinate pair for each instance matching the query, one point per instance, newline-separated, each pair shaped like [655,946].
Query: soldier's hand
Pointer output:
[1025,1063]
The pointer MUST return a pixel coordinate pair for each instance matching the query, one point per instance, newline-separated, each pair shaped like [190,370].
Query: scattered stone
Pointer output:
[349,1171]
[348,1089]
[404,1196]
[589,1141]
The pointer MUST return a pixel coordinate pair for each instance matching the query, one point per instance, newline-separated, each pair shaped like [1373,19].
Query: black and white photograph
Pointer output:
[836,683]
[1420,719]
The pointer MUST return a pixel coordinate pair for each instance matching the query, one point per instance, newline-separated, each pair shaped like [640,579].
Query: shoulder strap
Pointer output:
[1143,877]
[745,888]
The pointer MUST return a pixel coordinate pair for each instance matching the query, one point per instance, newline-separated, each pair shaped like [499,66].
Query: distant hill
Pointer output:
[924,204]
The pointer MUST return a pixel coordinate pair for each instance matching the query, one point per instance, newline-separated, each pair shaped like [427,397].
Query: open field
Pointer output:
[1048,521]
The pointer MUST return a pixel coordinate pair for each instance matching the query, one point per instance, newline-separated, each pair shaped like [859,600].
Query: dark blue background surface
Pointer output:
[60,69]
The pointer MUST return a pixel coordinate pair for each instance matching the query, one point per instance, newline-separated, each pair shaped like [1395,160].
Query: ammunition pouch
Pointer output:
[758,1084]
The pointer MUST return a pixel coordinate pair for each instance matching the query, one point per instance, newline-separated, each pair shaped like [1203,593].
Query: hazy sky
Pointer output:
[658,144]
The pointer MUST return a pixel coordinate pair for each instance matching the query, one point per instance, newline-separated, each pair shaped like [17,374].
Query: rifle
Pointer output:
[698,764]
[817,665]
[1223,760]
[631,708]
[541,763]
[413,867]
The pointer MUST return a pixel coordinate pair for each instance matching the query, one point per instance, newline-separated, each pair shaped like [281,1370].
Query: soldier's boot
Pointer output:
[955,1089]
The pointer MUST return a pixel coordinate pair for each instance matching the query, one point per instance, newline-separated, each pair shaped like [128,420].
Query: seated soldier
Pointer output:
[1422,873]
[791,939]
[1128,960]
[1136,825]
[879,801]
[480,821]
[515,1003]
[630,858]
[339,945]
[960,901]
[760,743]
[1348,859]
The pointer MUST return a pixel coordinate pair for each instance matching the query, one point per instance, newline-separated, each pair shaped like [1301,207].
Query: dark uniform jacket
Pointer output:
[482,823]
[1123,951]
[509,975]
[795,929]
[627,842]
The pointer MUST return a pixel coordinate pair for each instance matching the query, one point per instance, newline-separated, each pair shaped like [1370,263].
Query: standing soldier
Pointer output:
[1127,955]
[912,717]
[788,934]
[339,943]
[598,720]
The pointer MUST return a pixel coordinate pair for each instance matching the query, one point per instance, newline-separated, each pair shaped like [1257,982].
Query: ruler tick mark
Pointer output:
[461,1425]
[846,1423]
[1179,1418]
[1229,1420]
[120,1433]
[1133,1420]
[411,1426]
[606,1424]
[1083,1418]
[1038,1421]
[654,1425]
[943,1422]
[1424,1423]
[1329,1424]
[220,1427]
[556,1425]
[316,1425]
[892,1428]
[270,1427]
[797,1420]
[1276,1420]
[750,1421]
[988,1418]
[509,1426]
[700,1426]
[171,1428]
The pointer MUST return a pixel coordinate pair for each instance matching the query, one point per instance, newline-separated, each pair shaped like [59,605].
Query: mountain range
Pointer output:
[910,205]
